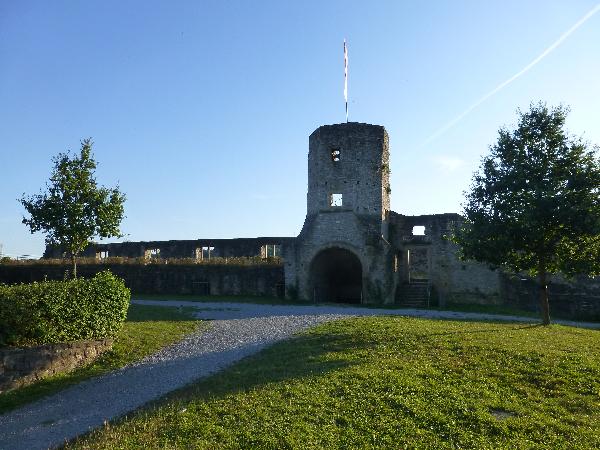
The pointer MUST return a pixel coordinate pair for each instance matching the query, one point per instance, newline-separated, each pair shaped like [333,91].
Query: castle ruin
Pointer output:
[352,247]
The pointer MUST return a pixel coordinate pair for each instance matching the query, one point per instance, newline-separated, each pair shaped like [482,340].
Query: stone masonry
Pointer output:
[23,366]
[352,247]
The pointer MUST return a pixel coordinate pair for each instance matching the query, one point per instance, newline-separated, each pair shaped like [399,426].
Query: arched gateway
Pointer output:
[336,276]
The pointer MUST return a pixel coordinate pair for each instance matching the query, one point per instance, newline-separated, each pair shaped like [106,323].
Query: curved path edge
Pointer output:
[238,330]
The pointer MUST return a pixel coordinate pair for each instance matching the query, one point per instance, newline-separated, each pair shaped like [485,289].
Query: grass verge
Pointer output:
[146,330]
[388,382]
[457,307]
[263,300]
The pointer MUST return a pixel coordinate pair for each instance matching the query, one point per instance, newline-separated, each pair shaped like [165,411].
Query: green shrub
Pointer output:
[62,311]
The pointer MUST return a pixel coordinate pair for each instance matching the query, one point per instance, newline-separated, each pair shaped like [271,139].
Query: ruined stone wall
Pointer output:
[578,298]
[452,280]
[200,279]
[225,248]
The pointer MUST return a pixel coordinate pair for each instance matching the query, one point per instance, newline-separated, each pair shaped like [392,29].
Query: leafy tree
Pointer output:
[74,209]
[534,203]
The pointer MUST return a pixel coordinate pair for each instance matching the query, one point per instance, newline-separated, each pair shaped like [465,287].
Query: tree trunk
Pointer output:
[544,306]
[74,264]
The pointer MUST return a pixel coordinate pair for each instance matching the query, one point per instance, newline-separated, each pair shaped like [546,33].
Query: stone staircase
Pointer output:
[414,294]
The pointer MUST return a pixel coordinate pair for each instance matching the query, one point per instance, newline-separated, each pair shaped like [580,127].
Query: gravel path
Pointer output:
[237,330]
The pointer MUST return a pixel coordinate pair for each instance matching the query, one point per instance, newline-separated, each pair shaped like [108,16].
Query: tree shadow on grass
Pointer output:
[307,355]
[484,330]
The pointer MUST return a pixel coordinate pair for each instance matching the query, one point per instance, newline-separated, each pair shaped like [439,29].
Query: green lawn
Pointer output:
[147,329]
[388,383]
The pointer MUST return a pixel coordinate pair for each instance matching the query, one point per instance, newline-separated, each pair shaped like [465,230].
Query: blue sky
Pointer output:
[201,111]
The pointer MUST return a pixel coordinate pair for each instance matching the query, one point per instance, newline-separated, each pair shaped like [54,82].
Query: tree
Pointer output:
[534,203]
[74,209]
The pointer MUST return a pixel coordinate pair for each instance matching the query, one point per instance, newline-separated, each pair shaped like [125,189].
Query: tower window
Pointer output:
[335,199]
[335,154]
[418,230]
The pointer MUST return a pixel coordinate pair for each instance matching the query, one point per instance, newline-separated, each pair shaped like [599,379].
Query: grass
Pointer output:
[146,330]
[387,383]
[488,309]
[459,307]
[462,307]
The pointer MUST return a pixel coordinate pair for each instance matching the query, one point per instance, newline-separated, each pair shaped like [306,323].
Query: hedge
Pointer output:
[62,311]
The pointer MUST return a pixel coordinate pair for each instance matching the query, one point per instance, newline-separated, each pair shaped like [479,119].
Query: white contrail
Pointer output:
[502,85]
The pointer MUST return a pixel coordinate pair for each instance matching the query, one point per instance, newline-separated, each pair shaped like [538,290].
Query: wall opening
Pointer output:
[418,263]
[418,230]
[270,251]
[335,200]
[152,253]
[205,252]
[335,154]
[102,254]
[336,276]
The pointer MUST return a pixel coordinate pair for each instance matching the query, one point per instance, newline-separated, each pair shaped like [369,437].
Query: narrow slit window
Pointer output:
[335,200]
[335,154]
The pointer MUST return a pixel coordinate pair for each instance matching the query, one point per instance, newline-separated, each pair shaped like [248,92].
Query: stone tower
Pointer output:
[342,253]
[348,170]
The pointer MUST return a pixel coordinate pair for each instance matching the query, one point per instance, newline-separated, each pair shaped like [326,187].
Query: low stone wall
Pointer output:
[577,299]
[22,366]
[200,279]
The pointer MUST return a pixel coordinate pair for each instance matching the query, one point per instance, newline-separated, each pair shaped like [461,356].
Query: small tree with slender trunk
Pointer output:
[74,209]
[534,204]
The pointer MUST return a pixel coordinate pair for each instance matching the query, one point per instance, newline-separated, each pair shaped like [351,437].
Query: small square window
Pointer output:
[335,154]
[335,200]
[418,230]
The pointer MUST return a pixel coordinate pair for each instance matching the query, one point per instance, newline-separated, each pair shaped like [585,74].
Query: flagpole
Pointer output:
[346,78]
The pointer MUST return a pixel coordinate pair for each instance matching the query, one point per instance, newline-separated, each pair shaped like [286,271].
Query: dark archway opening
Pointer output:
[336,276]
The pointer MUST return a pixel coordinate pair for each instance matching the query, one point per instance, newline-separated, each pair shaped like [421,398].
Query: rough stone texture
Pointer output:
[578,298]
[451,280]
[361,175]
[23,366]
[200,279]
[358,226]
